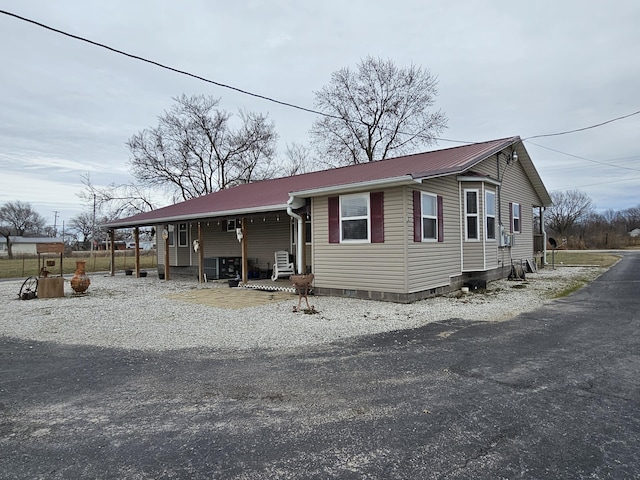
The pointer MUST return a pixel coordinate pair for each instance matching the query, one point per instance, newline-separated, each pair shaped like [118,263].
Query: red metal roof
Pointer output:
[273,194]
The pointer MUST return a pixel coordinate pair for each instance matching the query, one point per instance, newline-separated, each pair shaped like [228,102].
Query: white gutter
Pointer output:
[352,187]
[295,202]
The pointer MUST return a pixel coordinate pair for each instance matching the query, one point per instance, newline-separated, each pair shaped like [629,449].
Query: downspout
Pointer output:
[292,203]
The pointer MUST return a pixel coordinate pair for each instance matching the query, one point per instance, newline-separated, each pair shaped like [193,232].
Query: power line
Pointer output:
[584,128]
[264,97]
[582,158]
[166,67]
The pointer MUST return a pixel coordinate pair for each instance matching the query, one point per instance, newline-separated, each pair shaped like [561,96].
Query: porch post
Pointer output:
[245,259]
[166,253]
[112,248]
[136,238]
[200,254]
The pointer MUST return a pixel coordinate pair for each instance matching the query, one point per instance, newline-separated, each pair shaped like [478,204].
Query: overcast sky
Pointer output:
[505,68]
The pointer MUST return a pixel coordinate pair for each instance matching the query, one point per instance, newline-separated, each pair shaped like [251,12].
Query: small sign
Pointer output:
[50,247]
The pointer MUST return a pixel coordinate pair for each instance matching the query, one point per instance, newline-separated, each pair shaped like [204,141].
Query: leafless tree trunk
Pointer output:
[567,210]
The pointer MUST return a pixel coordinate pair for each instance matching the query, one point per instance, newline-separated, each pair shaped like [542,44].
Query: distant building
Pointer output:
[635,233]
[24,245]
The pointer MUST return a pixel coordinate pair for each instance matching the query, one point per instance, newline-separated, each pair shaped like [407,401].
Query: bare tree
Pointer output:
[298,160]
[631,217]
[375,112]
[115,201]
[19,218]
[194,150]
[82,225]
[568,209]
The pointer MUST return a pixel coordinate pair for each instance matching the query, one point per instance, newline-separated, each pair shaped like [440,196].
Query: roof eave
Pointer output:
[198,216]
[354,187]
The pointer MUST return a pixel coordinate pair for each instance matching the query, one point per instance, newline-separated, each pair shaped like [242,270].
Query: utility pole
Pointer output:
[55,223]
[93,225]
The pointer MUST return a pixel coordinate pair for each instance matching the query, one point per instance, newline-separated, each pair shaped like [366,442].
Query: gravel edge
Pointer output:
[136,313]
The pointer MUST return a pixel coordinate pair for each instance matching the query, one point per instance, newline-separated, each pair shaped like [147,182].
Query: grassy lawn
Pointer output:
[19,267]
[575,257]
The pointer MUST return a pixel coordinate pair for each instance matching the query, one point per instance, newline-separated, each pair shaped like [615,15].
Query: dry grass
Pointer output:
[575,257]
[96,262]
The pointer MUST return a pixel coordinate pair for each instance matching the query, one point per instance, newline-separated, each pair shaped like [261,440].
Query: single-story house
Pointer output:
[635,233]
[400,229]
[24,245]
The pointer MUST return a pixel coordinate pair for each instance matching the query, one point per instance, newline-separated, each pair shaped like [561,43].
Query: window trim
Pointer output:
[487,216]
[367,217]
[468,215]
[171,230]
[516,206]
[184,231]
[430,217]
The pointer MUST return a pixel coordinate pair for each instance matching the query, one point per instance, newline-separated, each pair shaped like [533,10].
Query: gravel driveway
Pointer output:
[151,314]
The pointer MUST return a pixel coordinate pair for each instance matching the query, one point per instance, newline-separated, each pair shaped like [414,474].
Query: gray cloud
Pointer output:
[505,68]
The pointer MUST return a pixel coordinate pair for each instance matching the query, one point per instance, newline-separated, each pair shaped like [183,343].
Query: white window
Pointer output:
[182,234]
[429,217]
[354,218]
[172,236]
[307,232]
[471,215]
[490,214]
[515,216]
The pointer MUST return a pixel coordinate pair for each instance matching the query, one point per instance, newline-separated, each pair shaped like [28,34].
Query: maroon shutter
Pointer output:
[440,219]
[417,216]
[510,217]
[334,220]
[223,223]
[377,217]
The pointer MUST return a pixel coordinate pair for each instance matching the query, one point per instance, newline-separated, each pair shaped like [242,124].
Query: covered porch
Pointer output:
[227,247]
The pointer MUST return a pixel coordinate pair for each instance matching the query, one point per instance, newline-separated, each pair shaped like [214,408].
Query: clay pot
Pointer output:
[80,281]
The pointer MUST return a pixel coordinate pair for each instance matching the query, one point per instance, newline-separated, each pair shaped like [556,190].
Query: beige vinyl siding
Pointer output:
[474,254]
[432,264]
[516,188]
[362,266]
[265,235]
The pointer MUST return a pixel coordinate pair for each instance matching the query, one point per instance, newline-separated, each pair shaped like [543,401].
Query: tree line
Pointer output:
[574,223]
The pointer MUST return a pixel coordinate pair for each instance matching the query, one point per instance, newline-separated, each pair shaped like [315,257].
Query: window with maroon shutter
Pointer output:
[334,220]
[356,218]
[417,216]
[440,219]
[510,217]
[377,217]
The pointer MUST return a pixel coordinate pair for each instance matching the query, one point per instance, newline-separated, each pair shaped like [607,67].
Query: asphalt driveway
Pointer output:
[550,394]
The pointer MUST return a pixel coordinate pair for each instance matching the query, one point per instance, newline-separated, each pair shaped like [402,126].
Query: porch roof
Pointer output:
[271,195]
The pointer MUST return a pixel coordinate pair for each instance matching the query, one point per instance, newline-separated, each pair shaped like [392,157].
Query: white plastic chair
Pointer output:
[281,266]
